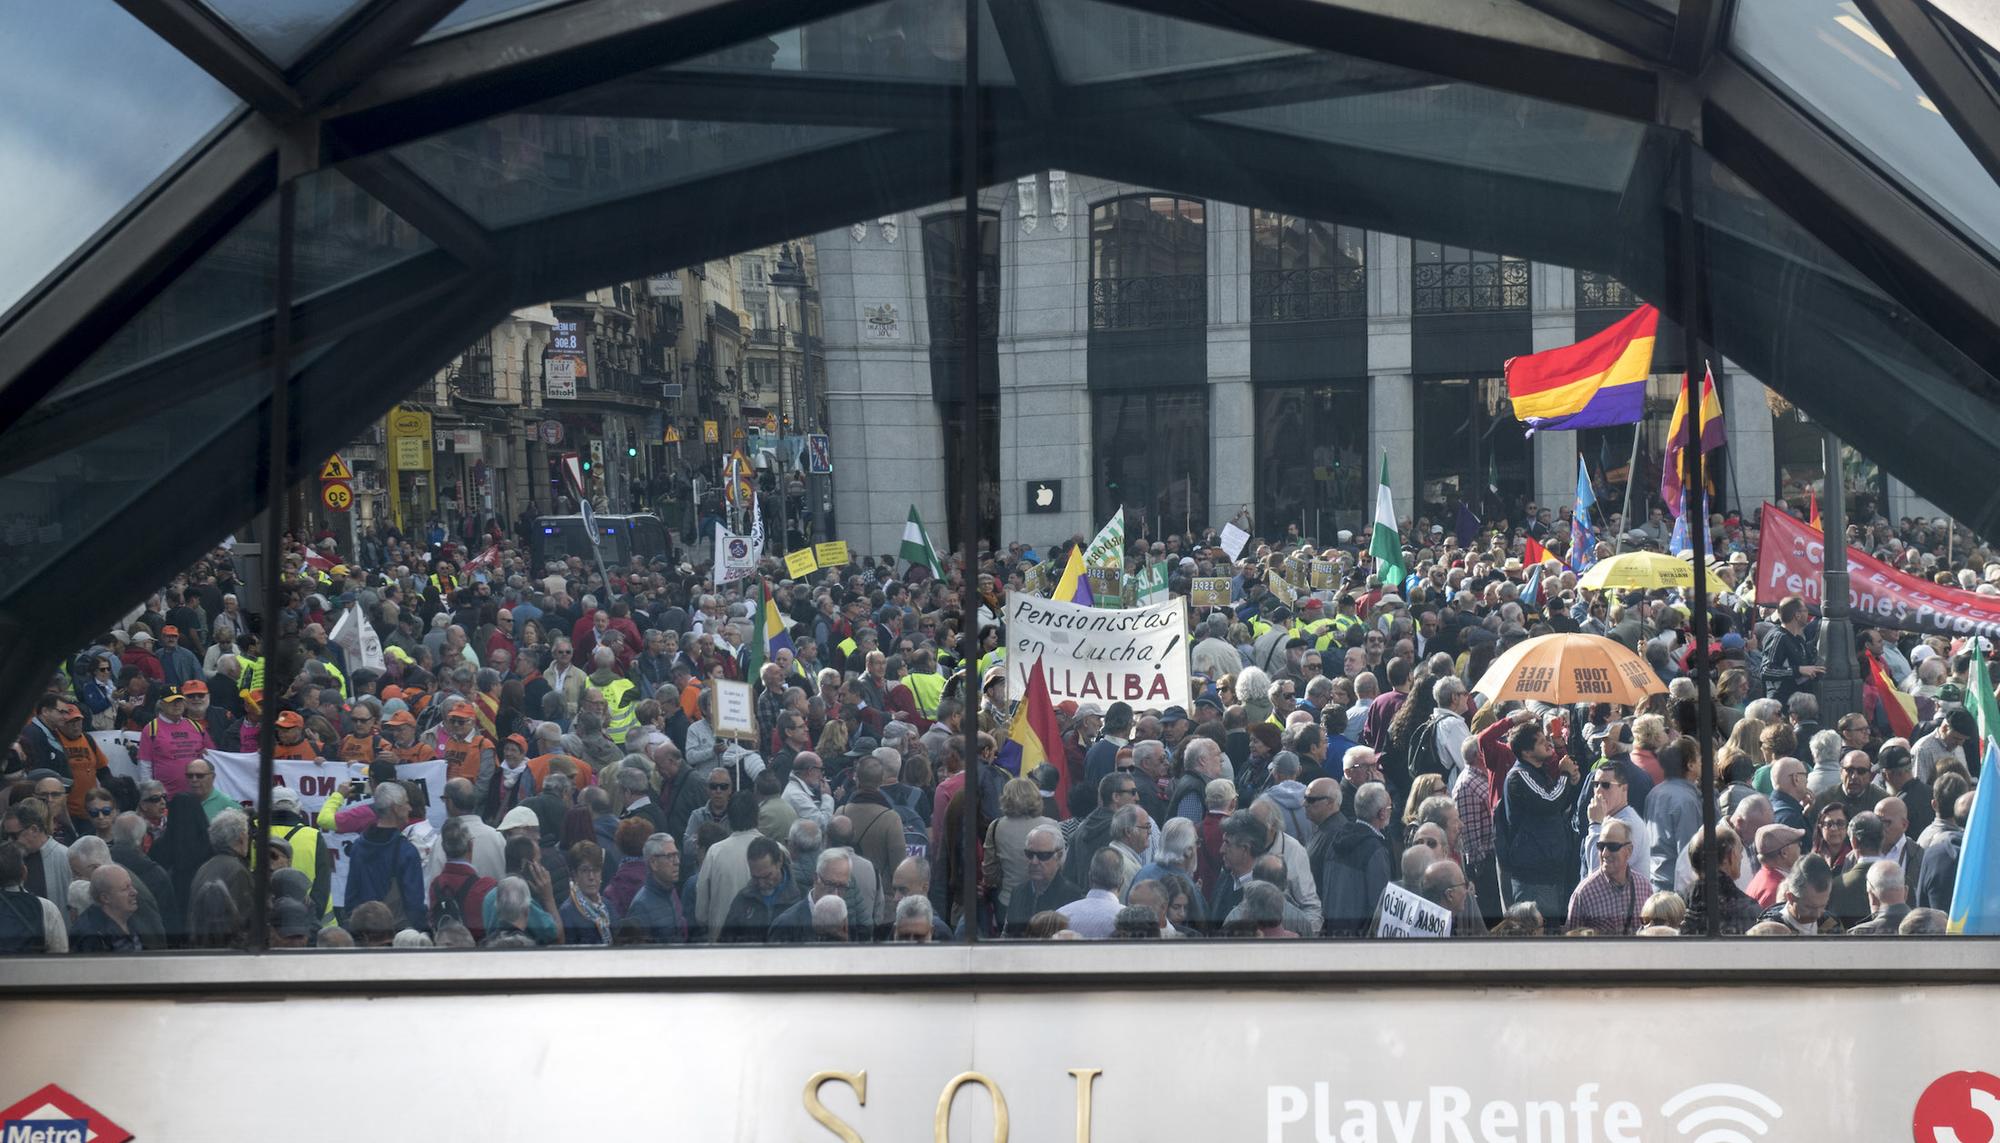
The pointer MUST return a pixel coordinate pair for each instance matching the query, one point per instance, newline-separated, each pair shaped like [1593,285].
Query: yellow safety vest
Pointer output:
[624,712]
[253,673]
[305,851]
[927,690]
[339,679]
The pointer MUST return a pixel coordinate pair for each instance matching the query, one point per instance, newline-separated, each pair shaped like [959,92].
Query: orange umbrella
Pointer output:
[1570,668]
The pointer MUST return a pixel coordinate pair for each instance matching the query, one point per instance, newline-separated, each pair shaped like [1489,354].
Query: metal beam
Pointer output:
[461,79]
[364,41]
[87,300]
[1855,209]
[423,206]
[1030,55]
[1962,89]
[1698,32]
[223,358]
[221,51]
[1486,44]
[1648,33]
[1236,87]
[766,97]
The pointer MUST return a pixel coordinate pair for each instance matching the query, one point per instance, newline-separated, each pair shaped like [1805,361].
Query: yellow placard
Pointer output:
[832,554]
[1210,591]
[710,434]
[801,563]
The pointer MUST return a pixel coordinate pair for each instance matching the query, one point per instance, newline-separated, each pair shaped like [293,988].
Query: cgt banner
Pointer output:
[1792,561]
[1136,655]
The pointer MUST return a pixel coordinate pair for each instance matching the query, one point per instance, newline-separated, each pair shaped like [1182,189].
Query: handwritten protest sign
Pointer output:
[1137,655]
[1404,914]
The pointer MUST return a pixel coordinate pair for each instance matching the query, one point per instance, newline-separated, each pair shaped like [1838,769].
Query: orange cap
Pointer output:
[194,687]
[290,718]
[400,718]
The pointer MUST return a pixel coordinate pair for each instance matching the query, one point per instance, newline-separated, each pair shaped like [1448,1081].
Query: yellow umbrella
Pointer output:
[1641,571]
[1570,668]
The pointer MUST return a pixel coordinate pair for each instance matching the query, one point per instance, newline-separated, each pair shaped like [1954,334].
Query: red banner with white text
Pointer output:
[1791,560]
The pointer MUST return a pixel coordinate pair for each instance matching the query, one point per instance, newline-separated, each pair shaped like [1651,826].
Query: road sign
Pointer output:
[337,495]
[708,433]
[336,469]
[551,432]
[590,521]
[673,435]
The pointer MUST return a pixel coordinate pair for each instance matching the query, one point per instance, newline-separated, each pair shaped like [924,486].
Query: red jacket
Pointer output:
[460,876]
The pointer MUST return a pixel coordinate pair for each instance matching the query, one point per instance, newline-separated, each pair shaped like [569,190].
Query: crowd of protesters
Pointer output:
[1335,748]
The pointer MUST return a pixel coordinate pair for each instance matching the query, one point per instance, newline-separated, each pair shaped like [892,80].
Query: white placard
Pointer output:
[735,556]
[559,379]
[1233,539]
[1404,914]
[121,751]
[356,636]
[735,712]
[1136,655]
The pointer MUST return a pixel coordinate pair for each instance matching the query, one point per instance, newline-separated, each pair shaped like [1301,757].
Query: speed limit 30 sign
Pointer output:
[337,495]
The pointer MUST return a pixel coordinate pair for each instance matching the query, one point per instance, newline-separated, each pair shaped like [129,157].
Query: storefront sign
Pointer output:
[664,286]
[559,378]
[409,433]
[1273,1062]
[1136,655]
[1791,560]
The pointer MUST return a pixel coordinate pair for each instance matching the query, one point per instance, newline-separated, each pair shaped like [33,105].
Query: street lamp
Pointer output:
[790,274]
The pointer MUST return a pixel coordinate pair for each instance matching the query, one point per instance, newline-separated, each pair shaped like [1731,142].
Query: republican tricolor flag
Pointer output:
[1712,436]
[1034,737]
[1597,382]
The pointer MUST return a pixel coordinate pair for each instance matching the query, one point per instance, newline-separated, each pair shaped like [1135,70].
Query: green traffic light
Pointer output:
[586,466]
[631,450]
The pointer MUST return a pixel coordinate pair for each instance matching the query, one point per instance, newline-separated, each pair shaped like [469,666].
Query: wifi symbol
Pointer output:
[1721,1113]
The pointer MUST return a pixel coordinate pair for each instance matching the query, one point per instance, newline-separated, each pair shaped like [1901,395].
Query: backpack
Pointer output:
[452,906]
[916,834]
[1420,753]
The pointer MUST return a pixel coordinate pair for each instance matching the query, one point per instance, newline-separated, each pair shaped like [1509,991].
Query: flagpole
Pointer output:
[1631,473]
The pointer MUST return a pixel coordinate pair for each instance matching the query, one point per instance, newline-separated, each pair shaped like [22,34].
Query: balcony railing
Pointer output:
[1163,301]
[1309,295]
[1595,291]
[1469,287]
[946,310]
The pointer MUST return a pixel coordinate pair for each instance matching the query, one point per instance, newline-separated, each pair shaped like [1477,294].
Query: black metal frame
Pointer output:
[1946,66]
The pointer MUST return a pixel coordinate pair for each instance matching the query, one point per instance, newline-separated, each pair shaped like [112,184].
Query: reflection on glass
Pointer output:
[282,29]
[515,168]
[1829,55]
[343,234]
[1152,459]
[97,108]
[1095,41]
[898,40]
[473,13]
[1321,483]
[1148,254]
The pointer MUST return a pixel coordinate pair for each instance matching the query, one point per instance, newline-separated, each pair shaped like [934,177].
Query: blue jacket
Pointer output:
[384,862]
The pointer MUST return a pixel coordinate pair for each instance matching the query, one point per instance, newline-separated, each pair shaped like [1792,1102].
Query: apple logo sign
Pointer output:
[1044,496]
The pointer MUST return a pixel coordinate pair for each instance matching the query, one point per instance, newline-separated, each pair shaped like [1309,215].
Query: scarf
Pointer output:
[598,913]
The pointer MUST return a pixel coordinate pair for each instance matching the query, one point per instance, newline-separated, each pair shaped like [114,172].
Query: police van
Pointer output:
[619,538]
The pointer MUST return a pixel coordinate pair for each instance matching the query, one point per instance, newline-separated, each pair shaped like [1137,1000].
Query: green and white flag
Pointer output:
[1386,545]
[1150,585]
[1107,550]
[917,546]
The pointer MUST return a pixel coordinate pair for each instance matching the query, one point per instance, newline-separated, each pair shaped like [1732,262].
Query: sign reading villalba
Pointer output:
[53,1115]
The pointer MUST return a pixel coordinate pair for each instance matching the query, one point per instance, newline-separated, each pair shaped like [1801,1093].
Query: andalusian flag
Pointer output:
[767,633]
[917,546]
[1599,381]
[1975,898]
[1386,545]
[1074,586]
[1107,548]
[1034,738]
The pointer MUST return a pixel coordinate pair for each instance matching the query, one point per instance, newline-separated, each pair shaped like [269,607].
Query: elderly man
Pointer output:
[725,868]
[29,922]
[1897,844]
[384,866]
[1444,883]
[1243,837]
[1131,833]
[913,882]
[1850,888]
[1949,738]
[766,901]
[1858,791]
[1788,793]
[1779,848]
[1323,810]
[1047,888]
[1888,902]
[1300,886]
[1203,764]
[1609,898]
[1610,801]
[878,828]
[657,912]
[1093,915]
[807,791]
[461,804]
[48,871]
[1802,899]
[1361,862]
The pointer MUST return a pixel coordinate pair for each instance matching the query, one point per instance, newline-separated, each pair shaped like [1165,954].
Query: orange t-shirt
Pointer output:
[305,748]
[461,758]
[539,767]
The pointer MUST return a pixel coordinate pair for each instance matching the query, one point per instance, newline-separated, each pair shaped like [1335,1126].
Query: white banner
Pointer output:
[1404,914]
[559,379]
[357,637]
[1136,655]
[735,556]
[236,776]
[121,751]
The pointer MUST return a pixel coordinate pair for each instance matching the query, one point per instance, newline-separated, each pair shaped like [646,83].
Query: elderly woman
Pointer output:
[585,914]
[100,809]
[1007,837]
[1649,734]
[1174,864]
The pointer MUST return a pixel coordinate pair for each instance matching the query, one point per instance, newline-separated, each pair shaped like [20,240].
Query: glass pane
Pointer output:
[343,235]
[97,108]
[473,13]
[899,40]
[520,167]
[1469,126]
[1828,55]
[282,29]
[1095,41]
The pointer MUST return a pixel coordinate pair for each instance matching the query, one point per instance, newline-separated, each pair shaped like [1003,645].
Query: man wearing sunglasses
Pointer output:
[1608,901]
[1047,887]
[1610,800]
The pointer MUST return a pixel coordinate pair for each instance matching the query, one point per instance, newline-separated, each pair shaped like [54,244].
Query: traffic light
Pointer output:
[631,450]
[586,464]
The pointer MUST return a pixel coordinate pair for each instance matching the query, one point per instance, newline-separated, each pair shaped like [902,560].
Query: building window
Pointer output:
[1151,451]
[1148,263]
[1302,270]
[1312,459]
[1454,280]
[1596,291]
[1470,448]
[944,281]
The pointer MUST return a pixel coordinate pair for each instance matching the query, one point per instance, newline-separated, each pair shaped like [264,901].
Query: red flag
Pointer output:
[1900,709]
[1035,737]
[1812,510]
[1533,553]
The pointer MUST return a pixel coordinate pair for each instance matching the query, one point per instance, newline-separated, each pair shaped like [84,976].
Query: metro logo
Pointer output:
[53,1115]
[45,1131]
